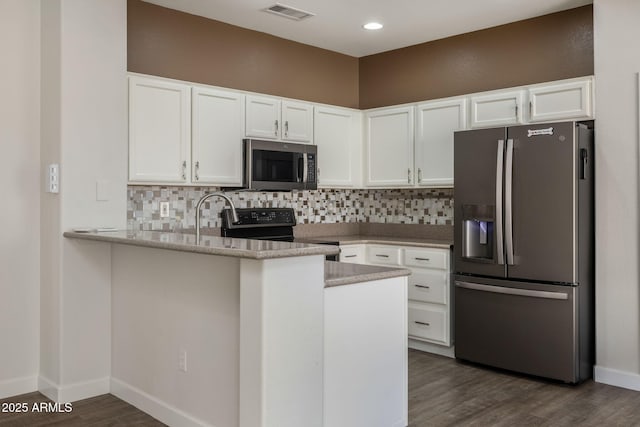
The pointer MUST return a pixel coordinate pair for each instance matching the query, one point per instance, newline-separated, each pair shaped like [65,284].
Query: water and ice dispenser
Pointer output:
[477,232]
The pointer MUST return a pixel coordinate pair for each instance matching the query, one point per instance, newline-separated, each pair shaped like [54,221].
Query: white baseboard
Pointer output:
[616,378]
[432,348]
[154,406]
[16,386]
[73,392]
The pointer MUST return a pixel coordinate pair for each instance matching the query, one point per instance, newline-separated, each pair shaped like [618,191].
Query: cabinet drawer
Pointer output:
[428,323]
[352,253]
[429,286]
[427,258]
[383,255]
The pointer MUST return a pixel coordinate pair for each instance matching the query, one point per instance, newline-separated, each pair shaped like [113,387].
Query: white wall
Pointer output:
[617,62]
[84,129]
[19,174]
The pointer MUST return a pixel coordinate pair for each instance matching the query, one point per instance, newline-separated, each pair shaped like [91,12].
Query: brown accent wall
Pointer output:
[550,47]
[168,43]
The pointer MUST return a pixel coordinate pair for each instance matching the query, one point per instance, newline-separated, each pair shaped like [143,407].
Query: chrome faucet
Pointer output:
[234,214]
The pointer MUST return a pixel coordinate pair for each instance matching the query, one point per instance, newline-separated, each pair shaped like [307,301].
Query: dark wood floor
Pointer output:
[442,392]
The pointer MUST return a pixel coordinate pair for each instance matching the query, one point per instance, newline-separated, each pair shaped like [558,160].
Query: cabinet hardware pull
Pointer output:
[422,259]
[516,111]
[530,109]
[197,171]
[350,256]
[286,128]
[422,286]
[419,175]
[276,128]
[408,175]
[382,256]
[421,323]
[184,169]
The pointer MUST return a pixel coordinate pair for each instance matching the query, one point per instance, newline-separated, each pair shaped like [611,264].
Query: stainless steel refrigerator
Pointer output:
[524,249]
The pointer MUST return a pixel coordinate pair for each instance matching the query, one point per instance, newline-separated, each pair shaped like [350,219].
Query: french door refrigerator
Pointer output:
[524,249]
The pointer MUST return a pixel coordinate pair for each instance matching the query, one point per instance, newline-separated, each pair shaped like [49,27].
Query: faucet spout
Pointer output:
[234,213]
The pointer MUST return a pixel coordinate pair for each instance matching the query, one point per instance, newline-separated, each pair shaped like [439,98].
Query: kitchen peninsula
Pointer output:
[226,331]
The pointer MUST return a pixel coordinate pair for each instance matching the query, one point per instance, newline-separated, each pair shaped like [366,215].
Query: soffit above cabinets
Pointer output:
[337,24]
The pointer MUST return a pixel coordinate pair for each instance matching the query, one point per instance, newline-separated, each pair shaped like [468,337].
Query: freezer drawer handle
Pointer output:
[512,291]
[421,323]
[422,286]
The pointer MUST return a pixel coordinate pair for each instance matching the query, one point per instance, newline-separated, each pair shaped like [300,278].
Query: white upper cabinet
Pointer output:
[217,132]
[271,118]
[435,124]
[389,147]
[568,100]
[338,135]
[297,122]
[262,117]
[497,109]
[159,131]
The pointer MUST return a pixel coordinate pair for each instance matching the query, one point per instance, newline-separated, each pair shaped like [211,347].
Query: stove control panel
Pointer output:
[256,217]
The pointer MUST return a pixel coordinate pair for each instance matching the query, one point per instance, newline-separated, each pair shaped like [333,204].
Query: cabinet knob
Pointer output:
[286,128]
[197,174]
[409,176]
[419,175]
[276,128]
[184,169]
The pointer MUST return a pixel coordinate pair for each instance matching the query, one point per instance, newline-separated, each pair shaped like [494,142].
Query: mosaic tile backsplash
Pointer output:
[403,206]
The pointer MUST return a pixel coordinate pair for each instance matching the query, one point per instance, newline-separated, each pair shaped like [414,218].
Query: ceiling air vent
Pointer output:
[288,12]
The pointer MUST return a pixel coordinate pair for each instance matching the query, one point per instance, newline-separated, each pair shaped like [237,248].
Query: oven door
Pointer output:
[278,166]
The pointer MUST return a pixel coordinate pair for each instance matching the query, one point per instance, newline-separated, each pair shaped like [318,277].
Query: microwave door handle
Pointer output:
[305,173]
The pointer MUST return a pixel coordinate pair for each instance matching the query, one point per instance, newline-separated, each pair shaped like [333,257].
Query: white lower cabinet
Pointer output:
[354,254]
[430,310]
[429,322]
[365,354]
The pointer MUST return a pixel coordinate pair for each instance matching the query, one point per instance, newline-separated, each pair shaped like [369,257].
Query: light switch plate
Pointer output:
[53,178]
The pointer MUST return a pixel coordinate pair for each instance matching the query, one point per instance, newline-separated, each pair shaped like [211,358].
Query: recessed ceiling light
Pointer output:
[372,26]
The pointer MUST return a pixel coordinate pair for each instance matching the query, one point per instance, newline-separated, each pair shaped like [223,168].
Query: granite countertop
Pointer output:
[341,273]
[212,245]
[388,240]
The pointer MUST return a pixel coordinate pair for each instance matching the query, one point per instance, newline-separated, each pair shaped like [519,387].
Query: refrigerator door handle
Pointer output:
[508,201]
[513,291]
[499,172]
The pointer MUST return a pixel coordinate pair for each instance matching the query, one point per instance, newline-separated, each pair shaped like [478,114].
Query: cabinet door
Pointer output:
[337,135]
[561,101]
[297,122]
[218,129]
[159,131]
[496,109]
[390,147]
[262,117]
[436,122]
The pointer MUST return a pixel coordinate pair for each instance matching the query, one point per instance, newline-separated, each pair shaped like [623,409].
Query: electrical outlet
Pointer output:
[182,361]
[164,209]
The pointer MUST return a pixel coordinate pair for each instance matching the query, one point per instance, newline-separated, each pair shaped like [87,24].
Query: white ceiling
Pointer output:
[337,24]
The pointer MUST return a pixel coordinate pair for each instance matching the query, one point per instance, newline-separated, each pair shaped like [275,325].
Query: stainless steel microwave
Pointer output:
[279,166]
